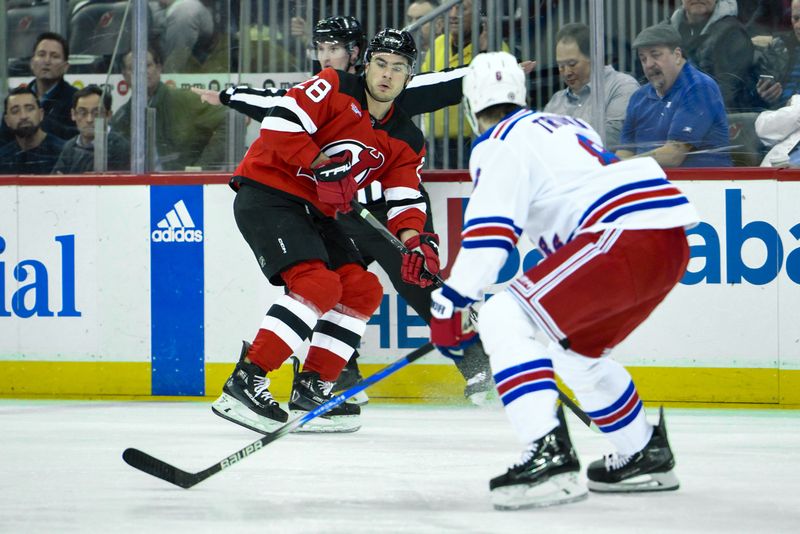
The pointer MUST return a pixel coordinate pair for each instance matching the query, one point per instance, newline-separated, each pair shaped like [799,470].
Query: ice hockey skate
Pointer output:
[547,474]
[474,367]
[480,390]
[308,392]
[650,469]
[246,399]
[349,377]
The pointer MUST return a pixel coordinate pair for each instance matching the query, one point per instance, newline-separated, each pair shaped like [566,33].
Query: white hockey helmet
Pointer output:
[492,78]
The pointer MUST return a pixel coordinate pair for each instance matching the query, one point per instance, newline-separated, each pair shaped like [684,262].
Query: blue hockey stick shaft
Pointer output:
[161,469]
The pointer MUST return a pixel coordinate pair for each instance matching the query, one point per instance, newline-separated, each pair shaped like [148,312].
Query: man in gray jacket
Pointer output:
[575,69]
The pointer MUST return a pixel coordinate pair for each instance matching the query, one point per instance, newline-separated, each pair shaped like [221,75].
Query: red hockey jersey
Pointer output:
[328,113]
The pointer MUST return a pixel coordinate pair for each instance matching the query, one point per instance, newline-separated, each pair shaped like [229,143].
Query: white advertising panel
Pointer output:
[75,274]
[788,209]
[79,280]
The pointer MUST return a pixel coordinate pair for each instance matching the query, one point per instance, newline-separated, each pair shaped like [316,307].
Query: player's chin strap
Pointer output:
[370,219]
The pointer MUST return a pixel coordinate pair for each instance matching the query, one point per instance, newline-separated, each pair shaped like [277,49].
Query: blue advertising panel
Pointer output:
[176,285]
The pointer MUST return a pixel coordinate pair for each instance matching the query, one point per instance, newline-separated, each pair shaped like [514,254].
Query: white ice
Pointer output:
[416,469]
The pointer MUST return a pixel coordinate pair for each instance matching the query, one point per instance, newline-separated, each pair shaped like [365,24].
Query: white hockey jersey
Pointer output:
[550,176]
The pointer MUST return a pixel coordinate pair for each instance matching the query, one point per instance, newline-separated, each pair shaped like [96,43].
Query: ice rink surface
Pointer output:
[415,469]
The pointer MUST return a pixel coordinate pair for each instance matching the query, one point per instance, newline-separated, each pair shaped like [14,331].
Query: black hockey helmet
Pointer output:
[395,42]
[346,30]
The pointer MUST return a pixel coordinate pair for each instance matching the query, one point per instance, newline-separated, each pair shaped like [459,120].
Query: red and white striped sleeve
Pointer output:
[292,119]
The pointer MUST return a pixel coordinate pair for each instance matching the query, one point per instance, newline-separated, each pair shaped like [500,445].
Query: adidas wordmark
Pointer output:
[177,226]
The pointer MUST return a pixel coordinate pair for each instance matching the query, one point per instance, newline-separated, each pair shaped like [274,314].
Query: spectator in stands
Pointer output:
[780,130]
[435,60]
[77,156]
[575,69]
[32,150]
[778,91]
[418,9]
[49,64]
[717,43]
[186,30]
[761,17]
[188,132]
[678,117]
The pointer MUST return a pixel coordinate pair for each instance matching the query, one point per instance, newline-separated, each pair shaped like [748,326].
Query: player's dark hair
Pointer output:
[577,33]
[20,91]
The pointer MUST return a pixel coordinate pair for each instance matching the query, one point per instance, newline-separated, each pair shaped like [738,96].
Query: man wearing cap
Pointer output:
[678,118]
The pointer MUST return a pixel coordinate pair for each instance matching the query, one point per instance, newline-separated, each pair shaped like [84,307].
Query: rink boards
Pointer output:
[143,286]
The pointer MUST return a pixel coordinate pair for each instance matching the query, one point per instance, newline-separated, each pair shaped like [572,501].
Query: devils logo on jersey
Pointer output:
[365,159]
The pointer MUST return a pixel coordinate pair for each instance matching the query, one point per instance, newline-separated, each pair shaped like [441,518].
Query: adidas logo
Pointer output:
[177,227]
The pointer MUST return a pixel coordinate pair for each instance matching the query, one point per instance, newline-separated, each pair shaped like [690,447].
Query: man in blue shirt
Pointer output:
[32,150]
[679,117]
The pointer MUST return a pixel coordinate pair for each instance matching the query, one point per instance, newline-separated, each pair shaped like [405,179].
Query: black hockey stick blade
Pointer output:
[160,469]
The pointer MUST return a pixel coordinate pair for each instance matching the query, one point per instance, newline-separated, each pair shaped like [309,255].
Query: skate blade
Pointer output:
[234,411]
[644,483]
[335,424]
[359,399]
[485,399]
[559,489]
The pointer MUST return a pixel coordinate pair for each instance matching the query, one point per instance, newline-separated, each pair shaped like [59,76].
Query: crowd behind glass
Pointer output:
[68,75]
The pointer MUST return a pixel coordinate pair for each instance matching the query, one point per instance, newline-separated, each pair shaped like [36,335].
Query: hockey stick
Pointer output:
[158,468]
[370,219]
[579,413]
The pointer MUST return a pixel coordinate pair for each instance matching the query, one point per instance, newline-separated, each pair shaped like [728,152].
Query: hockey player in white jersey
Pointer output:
[613,236]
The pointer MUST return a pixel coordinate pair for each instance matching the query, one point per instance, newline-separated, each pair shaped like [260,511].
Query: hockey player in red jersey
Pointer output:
[613,233]
[322,141]
[338,42]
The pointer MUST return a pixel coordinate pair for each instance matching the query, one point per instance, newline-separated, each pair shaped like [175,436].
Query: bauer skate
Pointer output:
[308,392]
[246,399]
[547,474]
[349,377]
[650,469]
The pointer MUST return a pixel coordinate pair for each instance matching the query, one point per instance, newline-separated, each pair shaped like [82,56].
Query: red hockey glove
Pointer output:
[421,263]
[452,327]
[335,184]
